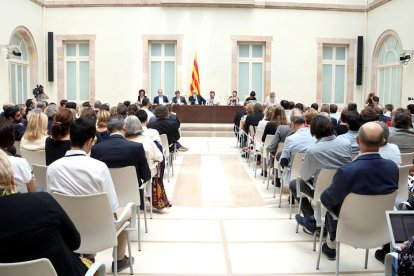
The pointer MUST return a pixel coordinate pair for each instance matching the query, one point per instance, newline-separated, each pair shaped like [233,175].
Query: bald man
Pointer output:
[368,174]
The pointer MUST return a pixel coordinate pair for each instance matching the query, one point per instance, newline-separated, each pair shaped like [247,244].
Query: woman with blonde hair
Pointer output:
[36,131]
[268,114]
[278,118]
[102,123]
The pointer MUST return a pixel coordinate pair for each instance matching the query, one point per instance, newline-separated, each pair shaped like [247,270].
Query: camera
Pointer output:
[411,98]
[37,90]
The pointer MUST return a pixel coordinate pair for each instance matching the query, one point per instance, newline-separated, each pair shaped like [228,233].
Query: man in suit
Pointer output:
[178,99]
[368,174]
[160,99]
[117,152]
[165,126]
[196,99]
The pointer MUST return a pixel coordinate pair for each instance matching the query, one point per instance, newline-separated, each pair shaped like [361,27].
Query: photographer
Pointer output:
[39,94]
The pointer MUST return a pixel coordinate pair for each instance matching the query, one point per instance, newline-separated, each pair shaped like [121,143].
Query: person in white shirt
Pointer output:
[78,174]
[145,106]
[271,99]
[212,99]
[149,132]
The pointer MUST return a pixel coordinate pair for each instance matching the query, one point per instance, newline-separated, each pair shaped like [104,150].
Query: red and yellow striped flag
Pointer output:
[195,78]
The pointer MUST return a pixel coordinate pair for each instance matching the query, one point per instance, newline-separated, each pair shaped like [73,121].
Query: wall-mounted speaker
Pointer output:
[360,58]
[50,57]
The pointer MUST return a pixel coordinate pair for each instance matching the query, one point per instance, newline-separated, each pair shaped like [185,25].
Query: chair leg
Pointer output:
[290,205]
[139,227]
[338,244]
[366,258]
[131,266]
[280,190]
[274,182]
[300,205]
[145,218]
[320,248]
[114,254]
[172,165]
[150,198]
[314,240]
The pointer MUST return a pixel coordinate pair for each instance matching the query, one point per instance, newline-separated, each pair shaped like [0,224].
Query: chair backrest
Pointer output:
[403,182]
[17,146]
[164,144]
[126,185]
[280,147]
[94,219]
[34,156]
[39,267]
[39,172]
[407,158]
[296,165]
[323,181]
[258,135]
[267,142]
[362,222]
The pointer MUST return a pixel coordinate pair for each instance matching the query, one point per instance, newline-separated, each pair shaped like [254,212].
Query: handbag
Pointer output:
[159,197]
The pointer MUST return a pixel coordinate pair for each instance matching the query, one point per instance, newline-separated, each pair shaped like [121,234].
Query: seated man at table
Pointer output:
[196,99]
[160,99]
[178,99]
[233,99]
[212,99]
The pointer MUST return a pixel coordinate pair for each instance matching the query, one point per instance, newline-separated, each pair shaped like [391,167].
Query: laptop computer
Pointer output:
[400,226]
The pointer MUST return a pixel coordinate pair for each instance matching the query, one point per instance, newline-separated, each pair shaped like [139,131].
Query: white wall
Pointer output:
[208,31]
[396,16]
[17,13]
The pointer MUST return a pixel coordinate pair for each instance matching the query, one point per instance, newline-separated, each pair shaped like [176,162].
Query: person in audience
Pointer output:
[89,113]
[178,99]
[34,226]
[352,107]
[278,118]
[97,105]
[41,105]
[30,104]
[127,103]
[325,108]
[174,118]
[35,135]
[300,106]
[353,121]
[249,111]
[267,116]
[146,104]
[329,152]
[333,108]
[50,112]
[102,123]
[388,150]
[165,126]
[161,98]
[271,99]
[233,99]
[72,105]
[379,109]
[141,96]
[23,176]
[252,97]
[212,99]
[12,113]
[342,127]
[122,110]
[62,104]
[59,142]
[402,132]
[132,108]
[254,118]
[315,106]
[288,110]
[410,108]
[240,113]
[308,115]
[151,133]
[105,106]
[196,99]
[368,174]
[78,174]
[388,109]
[117,152]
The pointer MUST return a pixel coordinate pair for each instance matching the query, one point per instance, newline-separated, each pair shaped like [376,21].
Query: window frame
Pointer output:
[77,59]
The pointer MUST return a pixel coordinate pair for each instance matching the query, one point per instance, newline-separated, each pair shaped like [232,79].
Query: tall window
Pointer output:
[251,60]
[162,61]
[19,72]
[389,71]
[77,71]
[334,70]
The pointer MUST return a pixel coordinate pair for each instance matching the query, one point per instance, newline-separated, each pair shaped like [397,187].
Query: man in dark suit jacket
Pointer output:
[160,99]
[196,99]
[368,174]
[117,152]
[165,126]
[179,99]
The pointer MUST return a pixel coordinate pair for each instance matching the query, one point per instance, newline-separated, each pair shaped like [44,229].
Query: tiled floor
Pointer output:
[224,222]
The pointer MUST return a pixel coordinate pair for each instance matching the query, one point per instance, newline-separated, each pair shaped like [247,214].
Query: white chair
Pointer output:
[389,258]
[362,223]
[93,217]
[34,156]
[42,267]
[258,147]
[39,172]
[402,184]
[167,155]
[276,168]
[407,158]
[127,190]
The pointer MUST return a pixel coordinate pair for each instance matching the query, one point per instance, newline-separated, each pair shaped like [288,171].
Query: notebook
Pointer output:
[400,226]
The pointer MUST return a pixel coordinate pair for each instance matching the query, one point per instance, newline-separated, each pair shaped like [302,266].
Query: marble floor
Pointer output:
[225,222]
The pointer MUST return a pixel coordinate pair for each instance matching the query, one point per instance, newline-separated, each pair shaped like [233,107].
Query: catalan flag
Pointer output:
[195,78]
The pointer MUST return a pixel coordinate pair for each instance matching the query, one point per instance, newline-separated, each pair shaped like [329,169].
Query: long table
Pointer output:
[206,114]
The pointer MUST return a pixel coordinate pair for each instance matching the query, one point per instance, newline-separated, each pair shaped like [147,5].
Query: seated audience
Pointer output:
[146,104]
[333,108]
[341,127]
[254,118]
[165,126]
[402,133]
[353,121]
[410,108]
[12,113]
[151,133]
[277,118]
[379,109]
[50,112]
[102,123]
[388,150]
[368,174]
[267,115]
[59,142]
[35,135]
[34,226]
[388,109]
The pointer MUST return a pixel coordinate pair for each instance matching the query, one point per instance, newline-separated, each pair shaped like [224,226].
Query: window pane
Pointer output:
[381,56]
[24,95]
[155,77]
[257,51]
[397,97]
[257,80]
[84,80]
[327,53]
[84,49]
[391,42]
[70,49]
[169,78]
[19,84]
[390,58]
[387,81]
[340,53]
[243,79]
[243,50]
[340,84]
[71,80]
[381,83]
[170,50]
[326,83]
[155,49]
[23,50]
[13,83]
